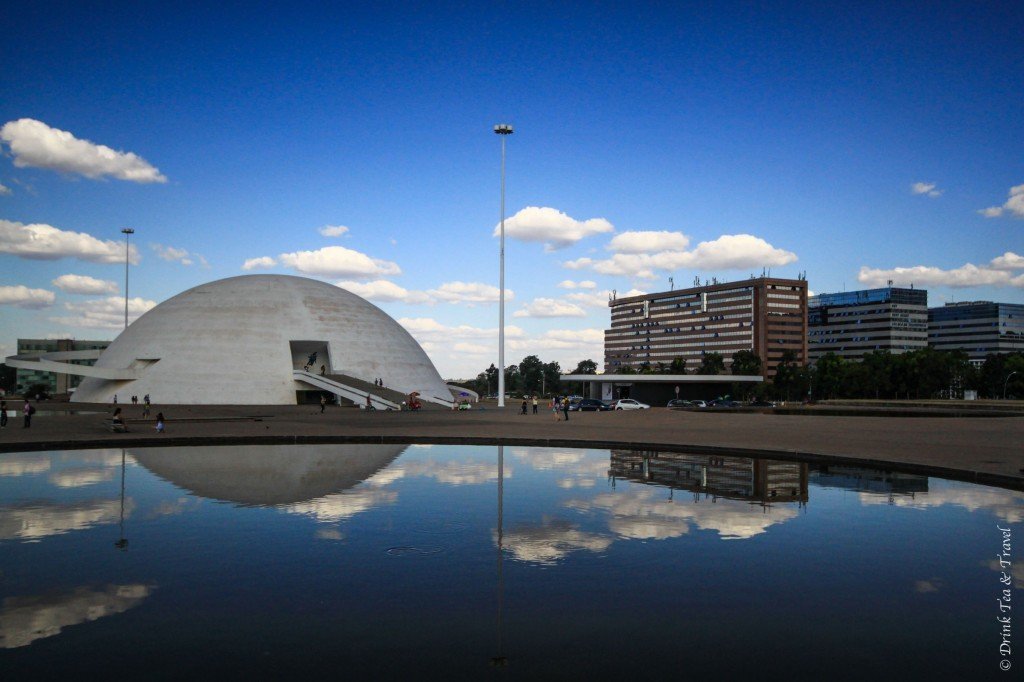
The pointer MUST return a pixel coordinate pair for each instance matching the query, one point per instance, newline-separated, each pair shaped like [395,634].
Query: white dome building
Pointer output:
[246,340]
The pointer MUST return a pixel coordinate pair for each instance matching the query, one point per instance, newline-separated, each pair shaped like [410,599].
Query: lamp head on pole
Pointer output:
[127,230]
[503,129]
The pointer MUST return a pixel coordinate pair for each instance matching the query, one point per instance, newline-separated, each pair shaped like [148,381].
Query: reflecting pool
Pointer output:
[413,561]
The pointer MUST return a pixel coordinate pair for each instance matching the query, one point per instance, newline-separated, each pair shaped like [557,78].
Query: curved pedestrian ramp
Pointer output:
[355,391]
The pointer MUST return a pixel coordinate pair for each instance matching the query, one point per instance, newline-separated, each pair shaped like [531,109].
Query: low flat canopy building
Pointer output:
[257,339]
[658,389]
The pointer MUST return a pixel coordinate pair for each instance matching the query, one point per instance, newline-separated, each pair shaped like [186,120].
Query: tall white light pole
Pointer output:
[127,232]
[502,129]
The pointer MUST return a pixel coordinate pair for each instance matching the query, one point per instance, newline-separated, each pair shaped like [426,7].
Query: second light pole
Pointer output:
[127,232]
[502,129]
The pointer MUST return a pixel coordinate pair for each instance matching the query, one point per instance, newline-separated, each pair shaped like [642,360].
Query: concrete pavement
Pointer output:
[985,450]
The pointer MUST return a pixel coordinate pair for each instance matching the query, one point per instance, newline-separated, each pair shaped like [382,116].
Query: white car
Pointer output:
[630,404]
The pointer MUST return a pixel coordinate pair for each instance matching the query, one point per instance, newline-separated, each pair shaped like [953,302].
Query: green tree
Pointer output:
[552,383]
[678,366]
[531,371]
[626,369]
[746,363]
[788,379]
[711,364]
[829,376]
[585,367]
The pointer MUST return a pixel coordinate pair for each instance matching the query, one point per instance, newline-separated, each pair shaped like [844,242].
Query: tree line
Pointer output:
[920,374]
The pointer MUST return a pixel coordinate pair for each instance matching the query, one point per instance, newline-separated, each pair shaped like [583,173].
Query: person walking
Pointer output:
[323,403]
[565,407]
[28,410]
[555,404]
[159,422]
[145,407]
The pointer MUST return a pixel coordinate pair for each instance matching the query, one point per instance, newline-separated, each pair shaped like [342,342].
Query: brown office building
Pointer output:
[765,315]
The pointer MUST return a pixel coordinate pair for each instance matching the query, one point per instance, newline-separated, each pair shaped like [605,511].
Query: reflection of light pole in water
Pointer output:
[500,660]
[122,542]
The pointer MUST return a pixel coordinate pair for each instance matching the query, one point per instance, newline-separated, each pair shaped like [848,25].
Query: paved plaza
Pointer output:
[983,449]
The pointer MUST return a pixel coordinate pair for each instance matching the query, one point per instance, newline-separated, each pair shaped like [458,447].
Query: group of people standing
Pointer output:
[559,405]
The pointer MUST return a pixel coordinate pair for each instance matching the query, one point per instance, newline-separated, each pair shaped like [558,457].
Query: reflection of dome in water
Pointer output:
[267,475]
[238,340]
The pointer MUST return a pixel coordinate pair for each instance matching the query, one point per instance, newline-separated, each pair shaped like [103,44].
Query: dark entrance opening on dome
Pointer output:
[311,356]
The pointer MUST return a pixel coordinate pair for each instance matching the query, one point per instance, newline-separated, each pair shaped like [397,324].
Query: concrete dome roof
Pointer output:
[238,341]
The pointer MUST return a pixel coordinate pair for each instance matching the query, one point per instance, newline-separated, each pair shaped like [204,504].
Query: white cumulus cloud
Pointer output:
[1008,261]
[4,191]
[1014,205]
[35,144]
[21,296]
[103,313]
[926,188]
[83,284]
[556,229]
[569,284]
[39,241]
[337,261]
[648,242]
[728,252]
[261,263]
[172,254]
[469,292]
[333,230]
[549,307]
[599,299]
[384,290]
[967,275]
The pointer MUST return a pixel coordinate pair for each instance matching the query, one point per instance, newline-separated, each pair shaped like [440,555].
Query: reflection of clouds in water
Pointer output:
[23,465]
[340,506]
[926,586]
[1015,571]
[551,541]
[28,464]
[580,462]
[1007,505]
[107,458]
[174,507]
[386,477]
[78,478]
[36,521]
[26,619]
[568,483]
[449,472]
[330,534]
[644,513]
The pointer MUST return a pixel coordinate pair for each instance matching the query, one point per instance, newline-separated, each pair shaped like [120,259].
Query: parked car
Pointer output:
[677,403]
[722,402]
[630,404]
[698,403]
[762,403]
[589,405]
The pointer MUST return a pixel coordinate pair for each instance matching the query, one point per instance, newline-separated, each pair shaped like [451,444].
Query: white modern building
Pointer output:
[249,340]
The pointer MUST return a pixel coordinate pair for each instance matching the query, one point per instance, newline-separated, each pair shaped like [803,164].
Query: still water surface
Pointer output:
[398,562]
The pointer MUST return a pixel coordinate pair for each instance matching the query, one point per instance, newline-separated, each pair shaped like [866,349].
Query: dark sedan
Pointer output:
[677,403]
[590,405]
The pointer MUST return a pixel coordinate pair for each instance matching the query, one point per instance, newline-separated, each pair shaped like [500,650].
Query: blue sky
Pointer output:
[850,142]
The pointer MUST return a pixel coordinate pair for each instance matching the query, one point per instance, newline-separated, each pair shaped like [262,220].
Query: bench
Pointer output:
[115,426]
